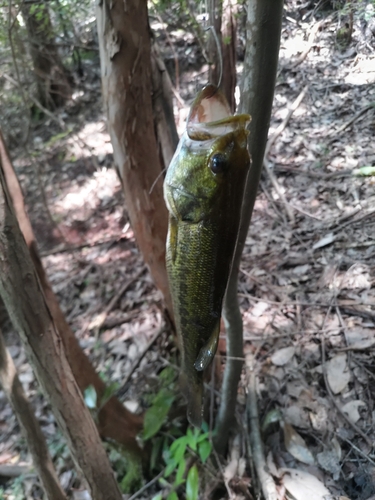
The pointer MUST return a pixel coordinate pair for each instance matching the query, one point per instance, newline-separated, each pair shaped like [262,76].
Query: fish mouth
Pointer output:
[210,116]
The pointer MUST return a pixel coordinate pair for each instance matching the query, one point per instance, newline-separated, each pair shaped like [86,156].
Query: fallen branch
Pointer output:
[343,127]
[310,43]
[137,362]
[270,143]
[30,427]
[99,321]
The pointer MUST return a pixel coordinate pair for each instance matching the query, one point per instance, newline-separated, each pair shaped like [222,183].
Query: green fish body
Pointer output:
[203,190]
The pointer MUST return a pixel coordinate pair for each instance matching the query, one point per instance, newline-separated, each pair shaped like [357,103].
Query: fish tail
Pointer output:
[195,406]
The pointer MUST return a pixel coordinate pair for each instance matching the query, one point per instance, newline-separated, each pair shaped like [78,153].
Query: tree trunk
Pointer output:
[23,296]
[52,78]
[35,439]
[263,31]
[114,420]
[125,56]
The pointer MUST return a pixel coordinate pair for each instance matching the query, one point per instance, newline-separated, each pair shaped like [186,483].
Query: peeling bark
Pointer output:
[125,56]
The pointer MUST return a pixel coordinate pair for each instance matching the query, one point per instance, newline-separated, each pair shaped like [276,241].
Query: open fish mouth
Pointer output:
[210,116]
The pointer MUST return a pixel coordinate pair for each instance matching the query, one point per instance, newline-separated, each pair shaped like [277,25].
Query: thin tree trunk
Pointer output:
[166,132]
[23,297]
[51,77]
[114,420]
[35,439]
[263,31]
[125,57]
[229,44]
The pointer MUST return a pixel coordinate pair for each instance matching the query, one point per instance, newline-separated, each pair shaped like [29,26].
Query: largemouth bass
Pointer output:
[203,190]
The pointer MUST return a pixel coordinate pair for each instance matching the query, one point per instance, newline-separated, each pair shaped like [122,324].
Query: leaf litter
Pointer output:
[304,284]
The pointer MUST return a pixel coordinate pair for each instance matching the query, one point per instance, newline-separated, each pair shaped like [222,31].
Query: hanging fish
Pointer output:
[203,190]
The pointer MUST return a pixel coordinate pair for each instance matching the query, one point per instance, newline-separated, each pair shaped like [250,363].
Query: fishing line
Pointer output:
[219,52]
[156,180]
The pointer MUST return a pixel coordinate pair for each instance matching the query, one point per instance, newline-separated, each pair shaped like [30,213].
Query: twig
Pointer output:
[64,249]
[310,44]
[296,103]
[360,452]
[147,485]
[270,143]
[266,480]
[364,110]
[137,362]
[98,322]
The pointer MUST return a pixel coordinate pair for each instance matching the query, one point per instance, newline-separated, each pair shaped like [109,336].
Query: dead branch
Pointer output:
[347,124]
[35,439]
[98,322]
[270,143]
[310,43]
[137,362]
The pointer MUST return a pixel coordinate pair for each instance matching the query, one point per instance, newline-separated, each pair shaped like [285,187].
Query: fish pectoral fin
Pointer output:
[208,351]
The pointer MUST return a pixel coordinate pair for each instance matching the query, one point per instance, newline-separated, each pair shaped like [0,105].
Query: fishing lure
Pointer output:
[203,190]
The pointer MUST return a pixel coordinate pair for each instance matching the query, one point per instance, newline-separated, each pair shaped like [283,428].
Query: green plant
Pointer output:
[182,458]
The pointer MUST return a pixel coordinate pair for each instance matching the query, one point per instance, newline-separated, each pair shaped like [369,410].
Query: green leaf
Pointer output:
[203,437]
[171,467]
[180,473]
[172,496]
[90,397]
[364,171]
[204,450]
[192,439]
[156,414]
[192,484]
[159,496]
[179,451]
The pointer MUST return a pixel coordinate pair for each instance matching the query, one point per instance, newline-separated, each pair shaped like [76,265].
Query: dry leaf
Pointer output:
[351,409]
[296,445]
[338,374]
[283,356]
[304,486]
[329,461]
[323,242]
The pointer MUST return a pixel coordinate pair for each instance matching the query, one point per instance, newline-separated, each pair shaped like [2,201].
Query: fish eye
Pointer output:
[218,163]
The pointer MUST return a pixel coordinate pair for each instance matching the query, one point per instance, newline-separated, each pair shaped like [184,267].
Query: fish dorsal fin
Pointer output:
[208,351]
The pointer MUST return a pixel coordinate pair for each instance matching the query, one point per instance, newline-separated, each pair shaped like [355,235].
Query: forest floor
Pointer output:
[306,288]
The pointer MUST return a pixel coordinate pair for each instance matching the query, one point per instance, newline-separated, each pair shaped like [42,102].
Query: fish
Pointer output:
[203,190]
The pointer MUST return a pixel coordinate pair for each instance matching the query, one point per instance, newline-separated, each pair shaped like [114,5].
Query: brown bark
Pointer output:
[114,420]
[125,56]
[166,132]
[35,439]
[51,77]
[23,296]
